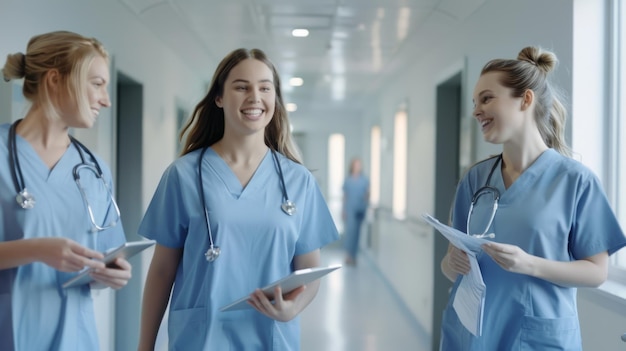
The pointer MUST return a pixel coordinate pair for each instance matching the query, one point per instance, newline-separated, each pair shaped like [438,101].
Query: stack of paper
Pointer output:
[469,301]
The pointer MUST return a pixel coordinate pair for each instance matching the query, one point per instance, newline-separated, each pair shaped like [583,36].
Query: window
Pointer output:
[336,174]
[618,108]
[375,166]
[399,164]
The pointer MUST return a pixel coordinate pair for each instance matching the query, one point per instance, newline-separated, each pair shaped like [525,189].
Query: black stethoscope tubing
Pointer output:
[487,188]
[16,169]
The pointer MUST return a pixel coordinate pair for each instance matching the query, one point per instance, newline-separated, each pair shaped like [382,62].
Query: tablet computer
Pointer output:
[288,283]
[126,250]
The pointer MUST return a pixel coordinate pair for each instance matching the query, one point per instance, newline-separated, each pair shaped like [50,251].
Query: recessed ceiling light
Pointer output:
[291,107]
[300,32]
[296,81]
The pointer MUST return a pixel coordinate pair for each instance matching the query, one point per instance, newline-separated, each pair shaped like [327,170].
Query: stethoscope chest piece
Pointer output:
[288,207]
[212,253]
[25,199]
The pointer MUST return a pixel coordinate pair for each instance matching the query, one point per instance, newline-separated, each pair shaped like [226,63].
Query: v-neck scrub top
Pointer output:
[258,244]
[36,313]
[557,210]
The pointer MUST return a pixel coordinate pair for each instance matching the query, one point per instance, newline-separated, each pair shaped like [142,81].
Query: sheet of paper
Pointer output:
[456,237]
[469,301]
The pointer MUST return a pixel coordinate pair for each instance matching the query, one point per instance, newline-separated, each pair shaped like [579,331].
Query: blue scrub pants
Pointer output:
[354,220]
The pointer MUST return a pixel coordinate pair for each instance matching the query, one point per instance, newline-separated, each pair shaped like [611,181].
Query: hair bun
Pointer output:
[543,59]
[15,67]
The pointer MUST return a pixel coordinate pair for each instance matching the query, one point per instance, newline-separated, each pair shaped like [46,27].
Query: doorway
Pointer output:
[447,172]
[129,173]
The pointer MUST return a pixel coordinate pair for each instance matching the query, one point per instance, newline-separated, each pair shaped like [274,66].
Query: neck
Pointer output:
[240,152]
[41,132]
[518,160]
[520,152]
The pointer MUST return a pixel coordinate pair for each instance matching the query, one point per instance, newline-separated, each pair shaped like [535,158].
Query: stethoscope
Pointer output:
[26,200]
[288,206]
[486,189]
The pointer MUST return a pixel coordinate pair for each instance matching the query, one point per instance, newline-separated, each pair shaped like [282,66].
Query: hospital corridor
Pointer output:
[356,309]
[463,160]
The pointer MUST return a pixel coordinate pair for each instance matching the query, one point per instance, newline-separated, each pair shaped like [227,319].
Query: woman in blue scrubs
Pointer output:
[46,232]
[554,228]
[355,201]
[235,212]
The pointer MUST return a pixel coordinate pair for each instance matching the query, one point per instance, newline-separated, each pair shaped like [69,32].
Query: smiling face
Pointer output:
[499,113]
[248,99]
[91,94]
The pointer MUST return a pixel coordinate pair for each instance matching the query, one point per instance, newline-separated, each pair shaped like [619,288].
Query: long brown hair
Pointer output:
[206,125]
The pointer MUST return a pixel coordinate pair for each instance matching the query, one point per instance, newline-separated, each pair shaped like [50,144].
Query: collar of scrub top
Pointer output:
[484,190]
[26,200]
[287,206]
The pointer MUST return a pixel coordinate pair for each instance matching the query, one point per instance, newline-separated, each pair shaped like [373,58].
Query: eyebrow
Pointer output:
[97,76]
[247,81]
[482,93]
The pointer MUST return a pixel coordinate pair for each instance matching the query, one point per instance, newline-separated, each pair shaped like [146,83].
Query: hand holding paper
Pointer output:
[469,301]
[456,237]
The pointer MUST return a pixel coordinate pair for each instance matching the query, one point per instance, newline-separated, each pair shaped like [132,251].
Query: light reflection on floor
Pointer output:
[355,311]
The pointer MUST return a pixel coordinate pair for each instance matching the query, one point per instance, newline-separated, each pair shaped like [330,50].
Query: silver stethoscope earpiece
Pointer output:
[288,206]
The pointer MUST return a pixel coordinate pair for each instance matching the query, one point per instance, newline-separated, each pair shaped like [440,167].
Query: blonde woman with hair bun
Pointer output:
[47,233]
[554,227]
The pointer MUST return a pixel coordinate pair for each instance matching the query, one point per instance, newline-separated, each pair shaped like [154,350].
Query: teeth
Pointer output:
[255,111]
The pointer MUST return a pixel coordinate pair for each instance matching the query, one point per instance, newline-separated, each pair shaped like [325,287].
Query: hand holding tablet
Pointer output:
[287,284]
[127,250]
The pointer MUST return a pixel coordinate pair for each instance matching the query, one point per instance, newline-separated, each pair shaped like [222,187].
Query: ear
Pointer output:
[218,102]
[527,99]
[53,79]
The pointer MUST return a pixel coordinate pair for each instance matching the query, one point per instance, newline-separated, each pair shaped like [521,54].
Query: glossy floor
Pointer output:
[355,310]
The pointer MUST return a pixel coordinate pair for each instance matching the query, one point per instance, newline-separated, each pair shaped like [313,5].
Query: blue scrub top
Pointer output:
[258,244]
[36,313]
[354,191]
[557,210]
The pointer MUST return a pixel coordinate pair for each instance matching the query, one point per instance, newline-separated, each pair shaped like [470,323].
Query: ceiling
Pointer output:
[352,44]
